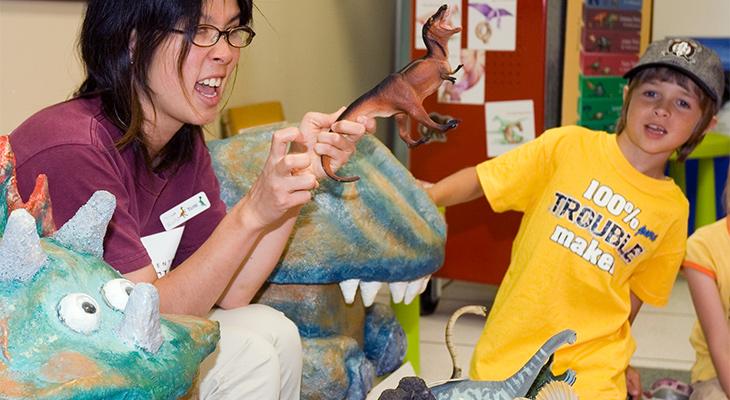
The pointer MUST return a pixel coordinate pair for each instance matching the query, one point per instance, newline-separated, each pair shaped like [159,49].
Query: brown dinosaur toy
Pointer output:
[401,93]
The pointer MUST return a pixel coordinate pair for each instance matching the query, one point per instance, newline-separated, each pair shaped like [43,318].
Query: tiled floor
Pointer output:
[661,334]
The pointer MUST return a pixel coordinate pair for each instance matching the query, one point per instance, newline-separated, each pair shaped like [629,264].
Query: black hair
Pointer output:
[118,40]
[667,74]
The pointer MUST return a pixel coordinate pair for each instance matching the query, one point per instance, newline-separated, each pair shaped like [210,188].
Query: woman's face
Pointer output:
[205,73]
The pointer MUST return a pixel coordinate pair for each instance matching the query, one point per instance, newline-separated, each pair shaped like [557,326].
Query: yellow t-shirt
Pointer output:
[593,230]
[708,251]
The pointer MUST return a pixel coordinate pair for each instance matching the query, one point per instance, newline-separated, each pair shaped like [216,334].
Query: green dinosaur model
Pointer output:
[70,326]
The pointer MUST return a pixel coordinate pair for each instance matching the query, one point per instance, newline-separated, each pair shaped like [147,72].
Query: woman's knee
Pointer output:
[287,333]
[274,324]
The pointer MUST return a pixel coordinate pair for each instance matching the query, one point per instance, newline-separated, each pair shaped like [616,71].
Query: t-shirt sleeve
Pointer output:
[511,180]
[654,277]
[699,253]
[75,172]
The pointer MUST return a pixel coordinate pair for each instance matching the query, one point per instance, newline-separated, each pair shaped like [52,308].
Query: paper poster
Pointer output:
[425,9]
[492,25]
[469,85]
[509,124]
[162,247]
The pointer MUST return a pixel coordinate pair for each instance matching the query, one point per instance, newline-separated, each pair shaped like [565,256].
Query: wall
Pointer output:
[311,55]
[697,18]
[38,63]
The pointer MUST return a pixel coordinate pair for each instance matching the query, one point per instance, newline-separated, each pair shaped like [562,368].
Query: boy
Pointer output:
[603,229]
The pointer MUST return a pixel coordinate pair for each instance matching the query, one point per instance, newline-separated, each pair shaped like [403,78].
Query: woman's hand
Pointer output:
[284,184]
[324,136]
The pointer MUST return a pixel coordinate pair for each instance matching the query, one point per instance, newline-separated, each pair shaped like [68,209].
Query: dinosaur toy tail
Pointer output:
[327,166]
[478,310]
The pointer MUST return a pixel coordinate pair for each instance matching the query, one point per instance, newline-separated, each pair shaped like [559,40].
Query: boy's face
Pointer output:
[661,117]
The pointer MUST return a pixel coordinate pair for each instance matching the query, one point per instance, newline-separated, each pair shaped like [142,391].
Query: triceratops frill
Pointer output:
[70,326]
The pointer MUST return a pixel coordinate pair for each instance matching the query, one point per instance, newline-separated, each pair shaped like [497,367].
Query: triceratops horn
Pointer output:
[84,232]
[141,324]
[21,255]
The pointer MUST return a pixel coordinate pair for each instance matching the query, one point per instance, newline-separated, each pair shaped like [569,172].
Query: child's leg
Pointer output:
[707,390]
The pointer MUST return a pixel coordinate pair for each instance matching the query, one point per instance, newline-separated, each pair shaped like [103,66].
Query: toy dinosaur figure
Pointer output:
[70,326]
[414,388]
[518,385]
[528,381]
[347,243]
[401,93]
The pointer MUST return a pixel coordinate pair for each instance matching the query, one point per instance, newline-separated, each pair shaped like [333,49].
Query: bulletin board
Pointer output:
[479,240]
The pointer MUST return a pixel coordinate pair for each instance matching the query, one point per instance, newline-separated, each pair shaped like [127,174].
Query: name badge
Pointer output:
[182,212]
[161,248]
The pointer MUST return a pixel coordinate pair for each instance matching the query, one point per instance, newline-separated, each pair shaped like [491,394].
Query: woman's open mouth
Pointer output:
[209,88]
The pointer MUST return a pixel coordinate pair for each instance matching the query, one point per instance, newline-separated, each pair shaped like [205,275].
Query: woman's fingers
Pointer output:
[280,142]
[316,121]
[292,164]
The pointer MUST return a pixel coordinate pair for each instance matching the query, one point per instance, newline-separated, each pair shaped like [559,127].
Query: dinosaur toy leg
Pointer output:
[417,112]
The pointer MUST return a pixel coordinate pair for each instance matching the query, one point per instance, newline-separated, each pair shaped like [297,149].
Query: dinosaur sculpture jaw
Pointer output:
[400,292]
[383,229]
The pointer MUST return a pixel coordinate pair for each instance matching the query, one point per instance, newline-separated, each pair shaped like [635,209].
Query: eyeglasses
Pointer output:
[208,35]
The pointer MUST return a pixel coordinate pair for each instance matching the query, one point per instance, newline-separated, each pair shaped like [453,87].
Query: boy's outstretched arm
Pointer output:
[459,187]
[708,304]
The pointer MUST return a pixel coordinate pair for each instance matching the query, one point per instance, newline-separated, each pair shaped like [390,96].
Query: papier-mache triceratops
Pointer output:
[70,326]
[380,230]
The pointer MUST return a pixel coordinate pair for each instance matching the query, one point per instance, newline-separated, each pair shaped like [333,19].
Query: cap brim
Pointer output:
[630,74]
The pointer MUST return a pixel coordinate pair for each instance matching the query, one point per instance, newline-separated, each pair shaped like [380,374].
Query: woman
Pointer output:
[156,72]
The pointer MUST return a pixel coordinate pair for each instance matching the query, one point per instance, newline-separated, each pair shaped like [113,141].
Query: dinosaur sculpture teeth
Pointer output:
[400,292]
[405,292]
[397,291]
[349,289]
[368,291]
[415,288]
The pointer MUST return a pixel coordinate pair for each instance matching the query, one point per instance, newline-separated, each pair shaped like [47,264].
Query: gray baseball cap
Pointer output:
[693,59]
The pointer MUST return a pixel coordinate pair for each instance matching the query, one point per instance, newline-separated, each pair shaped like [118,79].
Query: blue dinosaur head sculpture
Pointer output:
[383,228]
[70,326]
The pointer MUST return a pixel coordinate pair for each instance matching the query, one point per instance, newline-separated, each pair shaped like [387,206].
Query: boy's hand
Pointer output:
[425,186]
[633,383]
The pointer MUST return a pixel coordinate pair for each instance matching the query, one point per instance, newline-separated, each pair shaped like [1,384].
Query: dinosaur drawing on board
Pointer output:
[490,13]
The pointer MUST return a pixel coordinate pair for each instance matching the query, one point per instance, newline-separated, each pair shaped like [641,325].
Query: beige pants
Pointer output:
[259,356]
[707,390]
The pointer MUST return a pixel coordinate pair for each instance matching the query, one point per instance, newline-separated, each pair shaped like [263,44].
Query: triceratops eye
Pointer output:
[116,293]
[80,312]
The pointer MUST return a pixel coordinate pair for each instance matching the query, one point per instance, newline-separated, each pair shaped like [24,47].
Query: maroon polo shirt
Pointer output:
[73,144]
